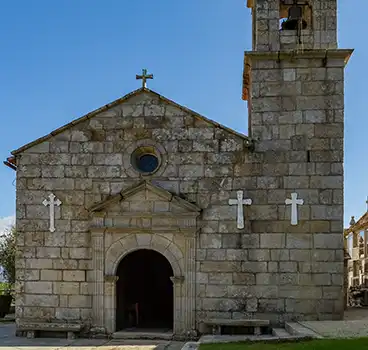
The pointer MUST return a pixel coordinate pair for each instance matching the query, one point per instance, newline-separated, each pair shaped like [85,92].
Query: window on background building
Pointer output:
[357,268]
[350,245]
[355,239]
[361,244]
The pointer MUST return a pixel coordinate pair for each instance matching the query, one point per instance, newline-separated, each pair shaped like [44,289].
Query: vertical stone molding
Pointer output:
[179,304]
[109,304]
[97,239]
[190,284]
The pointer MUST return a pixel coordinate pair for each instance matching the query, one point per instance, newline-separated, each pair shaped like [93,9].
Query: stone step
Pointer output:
[10,317]
[295,328]
[280,333]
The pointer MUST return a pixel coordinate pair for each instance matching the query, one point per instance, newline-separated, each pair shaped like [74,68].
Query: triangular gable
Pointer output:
[117,102]
[146,186]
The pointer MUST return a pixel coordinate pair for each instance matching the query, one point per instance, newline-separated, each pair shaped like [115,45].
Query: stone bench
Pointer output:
[217,324]
[31,328]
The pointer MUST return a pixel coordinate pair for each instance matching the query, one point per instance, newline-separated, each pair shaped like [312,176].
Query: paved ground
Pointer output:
[9,341]
[355,324]
[338,329]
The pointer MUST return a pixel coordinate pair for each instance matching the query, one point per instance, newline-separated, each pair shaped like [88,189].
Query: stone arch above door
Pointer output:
[119,249]
[180,255]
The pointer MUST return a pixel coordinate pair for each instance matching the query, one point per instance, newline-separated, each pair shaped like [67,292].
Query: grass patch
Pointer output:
[323,344]
[5,288]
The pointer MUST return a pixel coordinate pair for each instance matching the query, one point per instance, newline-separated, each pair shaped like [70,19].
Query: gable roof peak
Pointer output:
[122,100]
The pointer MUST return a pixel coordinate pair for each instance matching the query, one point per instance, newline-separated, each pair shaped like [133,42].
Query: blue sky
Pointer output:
[63,58]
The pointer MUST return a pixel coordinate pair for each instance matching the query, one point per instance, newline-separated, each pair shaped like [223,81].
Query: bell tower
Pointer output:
[293,81]
[293,24]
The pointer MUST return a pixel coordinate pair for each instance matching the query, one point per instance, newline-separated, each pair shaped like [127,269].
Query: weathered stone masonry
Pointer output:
[199,161]
[295,90]
[270,269]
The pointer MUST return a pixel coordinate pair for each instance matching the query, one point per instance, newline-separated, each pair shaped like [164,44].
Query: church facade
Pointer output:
[145,213]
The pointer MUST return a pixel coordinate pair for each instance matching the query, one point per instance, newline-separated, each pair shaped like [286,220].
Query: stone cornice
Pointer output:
[189,232]
[344,54]
[97,231]
[163,215]
[294,55]
[360,225]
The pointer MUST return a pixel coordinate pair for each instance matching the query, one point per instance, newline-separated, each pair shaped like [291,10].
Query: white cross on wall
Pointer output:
[240,202]
[294,207]
[52,202]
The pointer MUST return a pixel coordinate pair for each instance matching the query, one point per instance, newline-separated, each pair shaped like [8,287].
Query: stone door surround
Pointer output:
[105,263]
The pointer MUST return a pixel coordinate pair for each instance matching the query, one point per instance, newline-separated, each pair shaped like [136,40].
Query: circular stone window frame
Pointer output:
[158,150]
[140,152]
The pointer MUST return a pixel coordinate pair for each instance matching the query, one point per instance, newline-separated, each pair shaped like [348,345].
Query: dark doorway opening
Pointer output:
[144,292]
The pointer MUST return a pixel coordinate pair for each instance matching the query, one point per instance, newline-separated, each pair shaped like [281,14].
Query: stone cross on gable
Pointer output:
[239,201]
[144,77]
[52,202]
[294,202]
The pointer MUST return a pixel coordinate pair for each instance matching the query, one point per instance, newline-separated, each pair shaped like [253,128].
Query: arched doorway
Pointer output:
[144,291]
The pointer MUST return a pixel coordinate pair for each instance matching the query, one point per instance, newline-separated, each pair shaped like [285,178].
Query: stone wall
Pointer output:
[83,165]
[269,269]
[298,120]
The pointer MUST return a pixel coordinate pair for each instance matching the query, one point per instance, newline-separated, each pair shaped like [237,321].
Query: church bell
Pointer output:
[295,19]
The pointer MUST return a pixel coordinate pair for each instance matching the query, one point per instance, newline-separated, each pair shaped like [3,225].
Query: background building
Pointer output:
[356,245]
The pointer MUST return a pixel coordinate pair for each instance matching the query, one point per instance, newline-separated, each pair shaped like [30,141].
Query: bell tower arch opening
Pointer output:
[297,15]
[280,25]
[144,292]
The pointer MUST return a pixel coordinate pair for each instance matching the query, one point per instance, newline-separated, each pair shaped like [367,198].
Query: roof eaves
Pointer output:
[11,163]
